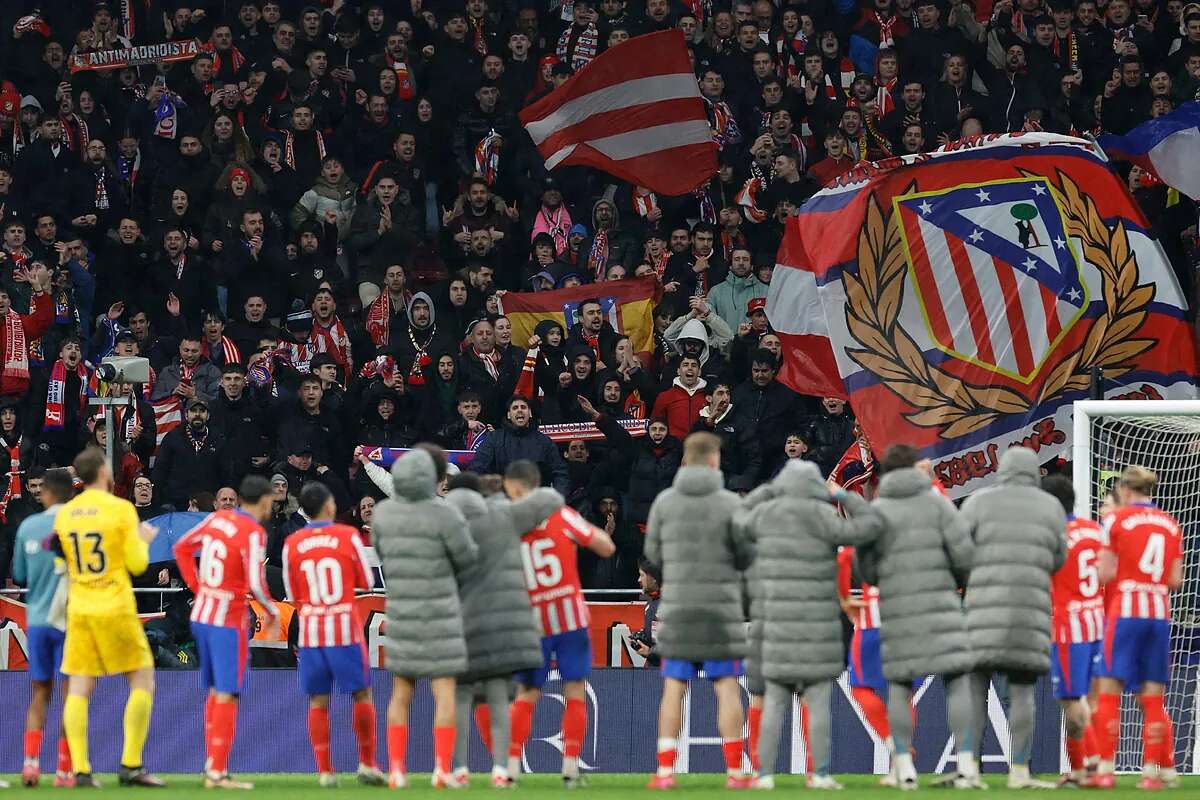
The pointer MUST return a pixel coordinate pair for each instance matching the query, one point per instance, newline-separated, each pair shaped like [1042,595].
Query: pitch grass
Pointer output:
[279,786]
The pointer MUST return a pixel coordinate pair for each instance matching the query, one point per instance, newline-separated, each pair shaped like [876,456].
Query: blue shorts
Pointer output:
[570,652]
[223,660]
[45,652]
[320,667]
[1137,650]
[866,661]
[689,670]
[1072,667]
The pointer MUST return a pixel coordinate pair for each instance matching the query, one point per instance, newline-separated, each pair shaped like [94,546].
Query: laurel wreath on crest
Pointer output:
[959,407]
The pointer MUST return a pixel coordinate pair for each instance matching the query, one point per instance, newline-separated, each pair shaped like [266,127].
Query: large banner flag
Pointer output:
[628,306]
[121,57]
[961,299]
[634,112]
[1166,146]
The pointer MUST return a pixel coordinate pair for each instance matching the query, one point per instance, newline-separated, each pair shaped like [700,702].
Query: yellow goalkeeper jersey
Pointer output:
[100,542]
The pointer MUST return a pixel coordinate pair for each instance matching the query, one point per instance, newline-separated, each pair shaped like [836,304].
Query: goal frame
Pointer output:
[1083,411]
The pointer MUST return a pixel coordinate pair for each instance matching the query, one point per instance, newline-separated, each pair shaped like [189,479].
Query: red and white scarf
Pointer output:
[886,26]
[487,157]
[12,488]
[125,419]
[334,340]
[16,349]
[379,317]
[490,361]
[56,394]
[597,259]
[405,88]
[643,204]
[232,355]
[289,147]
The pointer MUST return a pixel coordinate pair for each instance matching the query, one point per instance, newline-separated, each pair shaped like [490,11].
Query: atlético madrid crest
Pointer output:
[997,274]
[996,255]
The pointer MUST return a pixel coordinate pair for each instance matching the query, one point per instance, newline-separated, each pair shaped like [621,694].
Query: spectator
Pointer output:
[190,458]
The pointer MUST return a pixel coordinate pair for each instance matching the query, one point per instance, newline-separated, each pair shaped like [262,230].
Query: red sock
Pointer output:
[666,758]
[363,720]
[808,765]
[574,725]
[874,710]
[1090,747]
[209,702]
[520,723]
[1154,728]
[318,733]
[443,747]
[1107,725]
[1168,752]
[33,744]
[754,722]
[483,724]
[397,742]
[732,748]
[1076,752]
[64,755]
[223,729]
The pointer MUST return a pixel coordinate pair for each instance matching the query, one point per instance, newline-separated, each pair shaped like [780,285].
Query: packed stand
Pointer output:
[308,229]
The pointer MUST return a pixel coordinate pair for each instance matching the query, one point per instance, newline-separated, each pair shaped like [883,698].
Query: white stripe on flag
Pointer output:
[643,142]
[794,302]
[654,89]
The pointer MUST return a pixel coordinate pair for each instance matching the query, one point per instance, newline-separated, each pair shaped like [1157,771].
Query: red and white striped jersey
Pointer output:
[548,553]
[232,548]
[322,566]
[867,617]
[1078,600]
[1147,542]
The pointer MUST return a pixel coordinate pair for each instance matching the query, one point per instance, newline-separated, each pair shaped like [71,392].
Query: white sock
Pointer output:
[903,764]
[966,764]
[570,767]
[666,744]
[514,765]
[499,772]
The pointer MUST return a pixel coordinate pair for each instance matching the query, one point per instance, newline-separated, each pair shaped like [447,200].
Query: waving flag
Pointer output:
[634,112]
[168,415]
[960,299]
[1166,146]
[628,306]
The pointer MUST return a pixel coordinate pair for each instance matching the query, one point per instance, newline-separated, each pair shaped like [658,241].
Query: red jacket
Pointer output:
[36,324]
[681,409]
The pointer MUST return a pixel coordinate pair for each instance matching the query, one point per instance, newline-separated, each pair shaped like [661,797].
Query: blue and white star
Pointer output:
[1074,294]
[976,235]
[1039,189]
[1060,243]
[983,196]
[925,207]
[1029,264]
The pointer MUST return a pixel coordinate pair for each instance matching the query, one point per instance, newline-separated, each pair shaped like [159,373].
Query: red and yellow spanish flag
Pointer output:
[628,306]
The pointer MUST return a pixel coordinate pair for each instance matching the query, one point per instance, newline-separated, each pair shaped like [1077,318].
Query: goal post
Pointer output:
[1162,436]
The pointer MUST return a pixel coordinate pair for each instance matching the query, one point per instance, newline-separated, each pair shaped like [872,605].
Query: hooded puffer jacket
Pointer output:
[425,548]
[918,563]
[1020,535]
[693,537]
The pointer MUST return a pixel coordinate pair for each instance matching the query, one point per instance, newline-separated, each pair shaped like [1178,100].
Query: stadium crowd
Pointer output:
[307,229]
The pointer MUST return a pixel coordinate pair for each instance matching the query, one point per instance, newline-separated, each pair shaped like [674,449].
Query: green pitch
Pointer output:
[304,787]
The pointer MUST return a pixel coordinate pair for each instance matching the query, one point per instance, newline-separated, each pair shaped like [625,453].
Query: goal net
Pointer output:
[1162,436]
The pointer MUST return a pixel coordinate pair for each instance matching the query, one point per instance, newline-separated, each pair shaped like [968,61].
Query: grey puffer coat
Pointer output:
[918,563]
[424,546]
[797,533]
[692,535]
[502,636]
[1020,541]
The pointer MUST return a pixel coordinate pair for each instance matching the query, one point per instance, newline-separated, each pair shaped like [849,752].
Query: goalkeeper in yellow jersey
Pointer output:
[103,544]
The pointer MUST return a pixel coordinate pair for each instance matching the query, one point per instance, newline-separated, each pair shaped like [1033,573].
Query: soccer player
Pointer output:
[103,544]
[1078,629]
[865,663]
[425,548]
[691,535]
[323,563]
[39,571]
[1143,554]
[549,553]
[232,548]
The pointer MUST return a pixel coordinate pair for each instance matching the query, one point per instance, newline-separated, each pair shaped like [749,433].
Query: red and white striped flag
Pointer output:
[168,415]
[634,112]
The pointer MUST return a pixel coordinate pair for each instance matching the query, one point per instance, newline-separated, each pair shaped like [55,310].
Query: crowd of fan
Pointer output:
[307,227]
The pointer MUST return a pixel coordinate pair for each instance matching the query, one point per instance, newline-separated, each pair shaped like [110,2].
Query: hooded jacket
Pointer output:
[501,635]
[918,562]
[408,341]
[568,405]
[1020,536]
[425,548]
[648,468]
[692,535]
[622,248]
[797,531]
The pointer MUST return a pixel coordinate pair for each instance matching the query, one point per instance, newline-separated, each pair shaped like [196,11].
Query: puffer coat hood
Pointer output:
[694,329]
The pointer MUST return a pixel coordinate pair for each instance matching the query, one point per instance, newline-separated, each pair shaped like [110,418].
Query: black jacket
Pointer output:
[240,423]
[775,411]
[650,468]
[508,443]
[181,469]
[741,459]
[829,436]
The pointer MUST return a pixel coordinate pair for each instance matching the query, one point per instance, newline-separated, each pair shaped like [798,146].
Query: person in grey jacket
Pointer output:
[797,532]
[425,548]
[501,635]
[692,536]
[918,562]
[1020,536]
